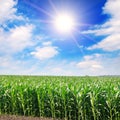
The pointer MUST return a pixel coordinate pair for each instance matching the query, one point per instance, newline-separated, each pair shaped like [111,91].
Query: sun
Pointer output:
[64,23]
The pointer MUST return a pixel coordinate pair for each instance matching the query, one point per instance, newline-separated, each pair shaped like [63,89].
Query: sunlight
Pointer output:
[64,23]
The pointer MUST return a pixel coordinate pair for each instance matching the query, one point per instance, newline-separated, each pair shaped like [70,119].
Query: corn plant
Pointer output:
[69,98]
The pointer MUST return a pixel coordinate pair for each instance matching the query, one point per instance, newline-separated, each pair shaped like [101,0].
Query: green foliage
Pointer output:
[69,98]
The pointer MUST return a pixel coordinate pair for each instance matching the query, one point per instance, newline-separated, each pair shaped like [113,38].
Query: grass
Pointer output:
[69,98]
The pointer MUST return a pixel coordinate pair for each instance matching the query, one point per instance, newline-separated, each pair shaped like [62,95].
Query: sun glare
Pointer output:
[64,23]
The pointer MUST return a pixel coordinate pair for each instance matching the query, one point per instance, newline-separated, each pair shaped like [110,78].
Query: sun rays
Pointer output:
[62,22]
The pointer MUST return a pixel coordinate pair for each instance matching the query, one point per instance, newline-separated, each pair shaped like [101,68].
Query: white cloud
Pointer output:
[8,11]
[91,62]
[15,67]
[53,67]
[45,52]
[91,65]
[111,43]
[112,7]
[47,43]
[15,40]
[110,29]
[97,64]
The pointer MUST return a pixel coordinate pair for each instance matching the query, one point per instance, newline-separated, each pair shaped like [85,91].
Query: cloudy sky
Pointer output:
[31,44]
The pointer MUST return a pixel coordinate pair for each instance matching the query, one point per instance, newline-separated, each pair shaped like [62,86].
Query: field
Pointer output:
[69,98]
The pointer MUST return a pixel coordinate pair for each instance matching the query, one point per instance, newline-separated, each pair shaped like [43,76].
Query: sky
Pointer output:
[30,44]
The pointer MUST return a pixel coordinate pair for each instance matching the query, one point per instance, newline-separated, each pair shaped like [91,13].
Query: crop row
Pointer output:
[70,98]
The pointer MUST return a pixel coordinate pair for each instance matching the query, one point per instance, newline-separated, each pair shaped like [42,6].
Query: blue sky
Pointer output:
[30,44]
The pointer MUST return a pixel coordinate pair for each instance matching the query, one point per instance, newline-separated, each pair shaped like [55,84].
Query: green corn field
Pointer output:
[66,98]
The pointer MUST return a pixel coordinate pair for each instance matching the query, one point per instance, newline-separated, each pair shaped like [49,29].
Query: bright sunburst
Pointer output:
[64,23]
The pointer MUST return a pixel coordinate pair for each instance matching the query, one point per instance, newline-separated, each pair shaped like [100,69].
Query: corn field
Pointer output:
[66,98]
